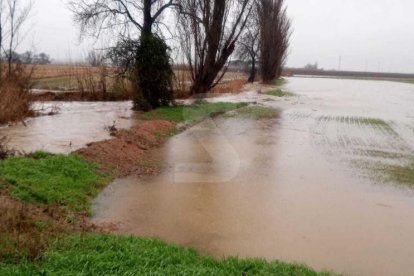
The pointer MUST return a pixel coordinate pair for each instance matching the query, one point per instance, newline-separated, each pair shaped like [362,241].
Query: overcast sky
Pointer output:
[367,34]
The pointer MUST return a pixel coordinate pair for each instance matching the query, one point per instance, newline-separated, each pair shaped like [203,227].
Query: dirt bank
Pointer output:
[128,152]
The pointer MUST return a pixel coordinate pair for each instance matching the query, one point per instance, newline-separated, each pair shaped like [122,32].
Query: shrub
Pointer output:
[154,73]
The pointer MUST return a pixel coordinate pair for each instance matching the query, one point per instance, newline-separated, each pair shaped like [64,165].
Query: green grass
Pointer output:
[400,174]
[278,93]
[280,82]
[192,113]
[67,181]
[256,112]
[116,255]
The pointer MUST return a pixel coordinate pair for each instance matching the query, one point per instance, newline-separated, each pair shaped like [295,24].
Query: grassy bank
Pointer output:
[55,180]
[116,255]
[279,82]
[278,92]
[255,112]
[191,113]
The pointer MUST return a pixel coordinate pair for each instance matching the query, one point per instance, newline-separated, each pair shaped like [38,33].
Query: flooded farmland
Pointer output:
[327,183]
[306,187]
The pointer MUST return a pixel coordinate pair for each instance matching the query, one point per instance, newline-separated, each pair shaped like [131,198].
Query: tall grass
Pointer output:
[14,94]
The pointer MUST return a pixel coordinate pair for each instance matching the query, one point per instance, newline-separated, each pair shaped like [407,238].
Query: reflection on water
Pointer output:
[284,188]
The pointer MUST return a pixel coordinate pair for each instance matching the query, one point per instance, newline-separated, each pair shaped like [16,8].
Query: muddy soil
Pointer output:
[128,152]
[296,188]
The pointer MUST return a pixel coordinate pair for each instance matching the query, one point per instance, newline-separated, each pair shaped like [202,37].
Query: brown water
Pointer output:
[289,188]
[75,125]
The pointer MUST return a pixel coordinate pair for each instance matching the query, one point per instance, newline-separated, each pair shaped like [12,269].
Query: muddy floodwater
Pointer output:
[73,126]
[304,187]
[298,188]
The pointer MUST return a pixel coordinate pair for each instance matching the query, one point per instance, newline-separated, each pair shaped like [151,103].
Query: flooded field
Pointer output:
[74,125]
[327,183]
[316,185]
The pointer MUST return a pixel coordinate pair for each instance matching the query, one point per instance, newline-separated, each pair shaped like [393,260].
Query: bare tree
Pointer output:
[249,45]
[275,31]
[126,16]
[1,35]
[209,30]
[95,58]
[17,14]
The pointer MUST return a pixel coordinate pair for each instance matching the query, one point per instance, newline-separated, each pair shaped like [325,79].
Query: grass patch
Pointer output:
[279,82]
[67,181]
[116,255]
[278,93]
[400,174]
[256,112]
[192,113]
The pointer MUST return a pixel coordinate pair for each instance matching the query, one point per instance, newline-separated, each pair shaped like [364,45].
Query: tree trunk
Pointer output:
[1,47]
[147,25]
[252,76]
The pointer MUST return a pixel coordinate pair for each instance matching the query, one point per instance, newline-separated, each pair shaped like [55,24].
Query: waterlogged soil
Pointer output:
[300,188]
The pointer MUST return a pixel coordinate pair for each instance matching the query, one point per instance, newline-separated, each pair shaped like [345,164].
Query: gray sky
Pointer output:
[367,34]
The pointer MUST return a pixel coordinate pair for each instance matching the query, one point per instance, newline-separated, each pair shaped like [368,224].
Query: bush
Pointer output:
[154,74]
[146,63]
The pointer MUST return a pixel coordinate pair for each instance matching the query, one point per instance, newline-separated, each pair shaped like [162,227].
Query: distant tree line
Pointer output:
[28,58]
